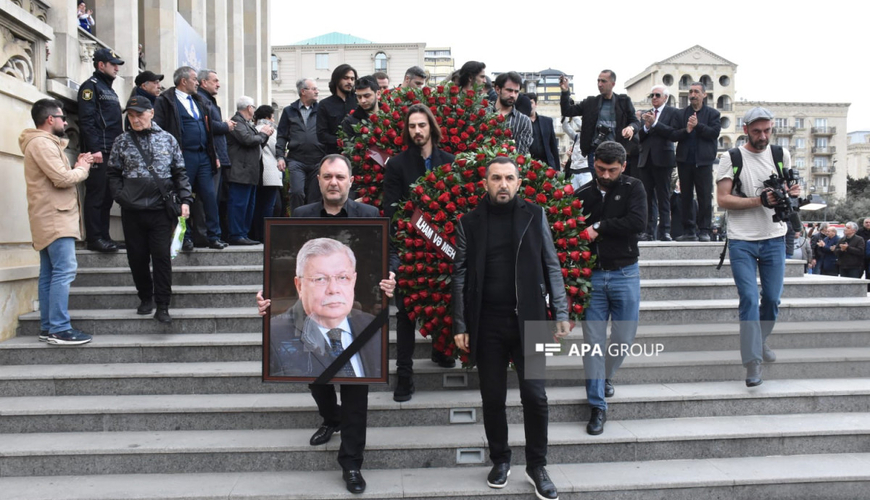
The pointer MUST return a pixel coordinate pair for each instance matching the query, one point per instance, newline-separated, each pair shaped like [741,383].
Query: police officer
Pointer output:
[100,123]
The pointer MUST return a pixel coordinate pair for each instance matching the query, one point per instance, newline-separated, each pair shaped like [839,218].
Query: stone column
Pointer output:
[159,38]
[253,52]
[266,53]
[216,39]
[235,77]
[120,32]
[195,13]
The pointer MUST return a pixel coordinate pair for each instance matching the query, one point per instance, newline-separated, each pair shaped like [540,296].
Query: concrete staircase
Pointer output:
[153,412]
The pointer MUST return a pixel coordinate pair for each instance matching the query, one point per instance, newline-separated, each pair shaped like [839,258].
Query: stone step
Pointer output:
[230,256]
[817,476]
[806,286]
[433,408]
[181,275]
[563,371]
[160,452]
[184,347]
[679,250]
[726,310]
[700,269]
[183,297]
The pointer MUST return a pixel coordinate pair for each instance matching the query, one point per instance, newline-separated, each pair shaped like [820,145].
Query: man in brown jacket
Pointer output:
[53,209]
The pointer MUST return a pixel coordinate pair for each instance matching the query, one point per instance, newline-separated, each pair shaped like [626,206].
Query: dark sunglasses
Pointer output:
[62,117]
[654,95]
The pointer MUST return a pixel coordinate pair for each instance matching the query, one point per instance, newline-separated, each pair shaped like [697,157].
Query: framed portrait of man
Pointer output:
[328,322]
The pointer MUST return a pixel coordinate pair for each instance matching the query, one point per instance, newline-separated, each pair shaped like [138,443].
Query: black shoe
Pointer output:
[498,476]
[667,237]
[102,246]
[354,480]
[596,422]
[217,244]
[162,314]
[753,374]
[404,389]
[687,237]
[608,389]
[645,237]
[768,355]
[704,237]
[442,360]
[323,434]
[187,246]
[145,307]
[120,245]
[544,487]
[242,242]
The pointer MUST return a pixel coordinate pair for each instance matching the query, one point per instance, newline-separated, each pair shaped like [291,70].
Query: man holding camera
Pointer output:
[755,242]
[606,117]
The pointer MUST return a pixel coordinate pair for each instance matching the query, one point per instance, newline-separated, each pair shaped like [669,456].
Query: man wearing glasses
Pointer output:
[657,162]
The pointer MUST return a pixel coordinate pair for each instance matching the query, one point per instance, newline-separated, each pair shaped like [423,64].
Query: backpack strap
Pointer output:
[736,167]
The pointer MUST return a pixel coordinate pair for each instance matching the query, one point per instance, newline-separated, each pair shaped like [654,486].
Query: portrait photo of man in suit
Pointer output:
[323,322]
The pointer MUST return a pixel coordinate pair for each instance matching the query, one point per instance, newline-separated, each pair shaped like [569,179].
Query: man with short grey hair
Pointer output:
[297,144]
[415,77]
[850,252]
[657,162]
[244,145]
[180,111]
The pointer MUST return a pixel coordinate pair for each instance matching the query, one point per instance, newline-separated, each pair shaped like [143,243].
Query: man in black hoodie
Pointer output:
[334,108]
[368,93]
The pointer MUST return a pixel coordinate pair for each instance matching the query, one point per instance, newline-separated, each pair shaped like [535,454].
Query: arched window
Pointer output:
[274,67]
[723,103]
[380,62]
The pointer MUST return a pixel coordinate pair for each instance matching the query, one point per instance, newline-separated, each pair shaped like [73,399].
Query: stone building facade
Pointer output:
[858,154]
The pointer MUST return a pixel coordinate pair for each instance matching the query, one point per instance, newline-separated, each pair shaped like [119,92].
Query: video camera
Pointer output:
[603,131]
[785,208]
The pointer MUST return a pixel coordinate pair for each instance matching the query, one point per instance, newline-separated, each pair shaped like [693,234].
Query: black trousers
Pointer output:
[98,202]
[697,179]
[499,343]
[405,339]
[350,416]
[657,184]
[148,234]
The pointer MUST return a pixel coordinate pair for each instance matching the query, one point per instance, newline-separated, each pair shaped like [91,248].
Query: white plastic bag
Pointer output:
[178,237]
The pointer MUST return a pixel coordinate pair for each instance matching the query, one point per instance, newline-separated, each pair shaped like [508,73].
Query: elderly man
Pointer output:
[53,209]
[297,145]
[850,252]
[244,145]
[657,162]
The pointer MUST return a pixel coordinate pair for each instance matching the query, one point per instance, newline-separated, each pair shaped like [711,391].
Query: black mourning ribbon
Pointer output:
[344,358]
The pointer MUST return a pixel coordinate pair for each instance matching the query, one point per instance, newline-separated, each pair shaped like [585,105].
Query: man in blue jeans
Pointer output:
[53,209]
[755,242]
[616,211]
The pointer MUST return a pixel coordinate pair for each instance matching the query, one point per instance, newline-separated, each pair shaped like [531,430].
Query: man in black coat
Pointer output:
[544,146]
[657,162]
[334,108]
[99,124]
[697,129]
[421,134]
[505,267]
[297,146]
[606,117]
[367,95]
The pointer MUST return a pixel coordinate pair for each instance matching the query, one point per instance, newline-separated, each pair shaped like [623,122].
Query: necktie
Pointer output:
[193,107]
[335,343]
[656,117]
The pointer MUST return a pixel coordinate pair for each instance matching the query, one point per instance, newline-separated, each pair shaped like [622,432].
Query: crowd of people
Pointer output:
[174,155]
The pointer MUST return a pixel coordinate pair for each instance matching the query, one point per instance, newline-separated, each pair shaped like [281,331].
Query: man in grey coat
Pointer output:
[244,145]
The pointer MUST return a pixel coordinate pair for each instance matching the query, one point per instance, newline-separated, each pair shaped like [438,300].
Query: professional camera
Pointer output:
[603,131]
[785,208]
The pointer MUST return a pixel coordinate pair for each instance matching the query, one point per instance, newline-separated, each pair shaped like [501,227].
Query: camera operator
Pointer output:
[755,241]
[606,117]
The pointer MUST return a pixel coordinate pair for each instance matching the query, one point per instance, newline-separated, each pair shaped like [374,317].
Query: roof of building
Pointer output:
[334,38]
[694,55]
[551,71]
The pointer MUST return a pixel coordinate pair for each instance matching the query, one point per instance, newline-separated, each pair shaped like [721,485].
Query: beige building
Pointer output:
[813,132]
[439,64]
[46,54]
[858,154]
[315,58]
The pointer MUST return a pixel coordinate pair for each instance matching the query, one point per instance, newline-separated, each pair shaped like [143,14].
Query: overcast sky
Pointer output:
[784,51]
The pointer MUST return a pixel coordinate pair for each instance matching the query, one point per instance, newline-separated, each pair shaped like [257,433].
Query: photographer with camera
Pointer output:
[606,117]
[756,241]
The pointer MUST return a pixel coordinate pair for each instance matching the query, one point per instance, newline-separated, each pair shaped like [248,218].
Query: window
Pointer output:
[800,162]
[800,143]
[684,101]
[781,122]
[668,80]
[274,67]
[821,161]
[799,123]
[321,61]
[380,62]
[782,141]
[821,142]
[821,123]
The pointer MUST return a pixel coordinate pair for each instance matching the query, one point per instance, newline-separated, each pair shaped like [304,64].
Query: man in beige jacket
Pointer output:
[53,209]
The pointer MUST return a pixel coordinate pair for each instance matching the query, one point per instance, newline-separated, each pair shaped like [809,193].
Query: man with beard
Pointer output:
[505,267]
[507,87]
[368,93]
[615,207]
[53,210]
[421,134]
[415,78]
[334,108]
[756,244]
[697,148]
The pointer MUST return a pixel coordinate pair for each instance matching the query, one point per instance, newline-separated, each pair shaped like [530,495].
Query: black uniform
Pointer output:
[100,123]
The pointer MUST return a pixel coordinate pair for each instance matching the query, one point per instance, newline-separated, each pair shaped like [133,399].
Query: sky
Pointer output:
[784,51]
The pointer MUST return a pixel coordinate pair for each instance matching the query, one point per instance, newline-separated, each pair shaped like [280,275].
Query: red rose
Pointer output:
[561,243]
[434,206]
[586,272]
[571,223]
[454,100]
[531,176]
[440,88]
[566,211]
[469,187]
[574,272]
[461,162]
[586,255]
[564,273]
[550,173]
[461,202]
[559,226]
[572,290]
[578,308]
[454,89]
[442,100]
[553,209]
[541,198]
[530,191]
[547,186]
[575,255]
[440,186]
[450,207]
[448,227]
[577,204]
[359,145]
[419,190]
[440,216]
[364,130]
[499,118]
[427,91]
[445,198]
[569,189]
[409,206]
[481,171]
[446,168]
[573,242]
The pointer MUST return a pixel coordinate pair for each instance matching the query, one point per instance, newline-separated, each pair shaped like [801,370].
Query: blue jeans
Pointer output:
[240,209]
[202,183]
[767,258]
[615,297]
[57,269]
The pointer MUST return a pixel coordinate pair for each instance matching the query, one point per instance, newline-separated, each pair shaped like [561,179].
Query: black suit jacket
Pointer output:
[589,108]
[707,131]
[551,146]
[657,149]
[298,349]
[354,210]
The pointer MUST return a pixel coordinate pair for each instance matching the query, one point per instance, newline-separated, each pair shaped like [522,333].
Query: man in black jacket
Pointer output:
[179,111]
[505,267]
[367,93]
[334,108]
[615,206]
[697,129]
[421,134]
[99,124]
[657,162]
[544,146]
[297,145]
[606,117]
